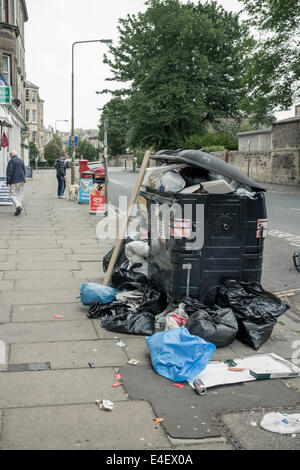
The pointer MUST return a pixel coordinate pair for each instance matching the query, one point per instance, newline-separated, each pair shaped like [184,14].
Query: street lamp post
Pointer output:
[105,41]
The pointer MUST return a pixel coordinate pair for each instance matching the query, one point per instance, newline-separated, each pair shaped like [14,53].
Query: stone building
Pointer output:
[34,116]
[13,15]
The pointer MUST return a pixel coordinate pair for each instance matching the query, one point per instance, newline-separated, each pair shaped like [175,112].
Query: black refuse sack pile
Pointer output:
[244,310]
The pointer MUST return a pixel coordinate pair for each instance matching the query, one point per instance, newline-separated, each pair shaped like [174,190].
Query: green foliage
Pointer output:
[211,140]
[215,148]
[87,150]
[33,151]
[183,63]
[272,71]
[116,112]
[52,152]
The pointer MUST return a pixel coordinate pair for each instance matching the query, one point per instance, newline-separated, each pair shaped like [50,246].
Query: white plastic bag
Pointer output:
[177,318]
[172,182]
[137,252]
[281,423]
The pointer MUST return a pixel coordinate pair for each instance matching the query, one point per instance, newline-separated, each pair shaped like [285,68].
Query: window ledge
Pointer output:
[11,27]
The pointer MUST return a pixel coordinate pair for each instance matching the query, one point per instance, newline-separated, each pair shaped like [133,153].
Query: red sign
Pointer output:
[97,200]
[4,141]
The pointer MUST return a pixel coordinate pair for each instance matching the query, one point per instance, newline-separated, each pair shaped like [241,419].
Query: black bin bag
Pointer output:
[214,324]
[134,323]
[255,309]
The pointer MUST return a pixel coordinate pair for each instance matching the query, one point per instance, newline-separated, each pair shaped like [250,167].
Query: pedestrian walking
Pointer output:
[61,175]
[15,179]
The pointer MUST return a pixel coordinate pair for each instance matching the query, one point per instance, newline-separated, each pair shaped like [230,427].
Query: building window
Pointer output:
[33,96]
[6,68]
[4,12]
[34,137]
[27,95]
[27,115]
[34,115]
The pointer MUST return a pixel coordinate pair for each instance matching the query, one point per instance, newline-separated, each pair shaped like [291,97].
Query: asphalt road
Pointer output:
[283,239]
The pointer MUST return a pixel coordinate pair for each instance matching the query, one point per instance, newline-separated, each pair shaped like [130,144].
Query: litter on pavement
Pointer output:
[281,423]
[105,405]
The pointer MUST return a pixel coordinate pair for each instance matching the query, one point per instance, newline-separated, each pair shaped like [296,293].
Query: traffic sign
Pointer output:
[73,140]
[5,94]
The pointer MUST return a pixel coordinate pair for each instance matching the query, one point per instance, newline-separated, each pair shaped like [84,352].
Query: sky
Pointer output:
[52,28]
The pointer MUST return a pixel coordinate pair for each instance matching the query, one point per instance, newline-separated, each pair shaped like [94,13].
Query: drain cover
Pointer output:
[38,366]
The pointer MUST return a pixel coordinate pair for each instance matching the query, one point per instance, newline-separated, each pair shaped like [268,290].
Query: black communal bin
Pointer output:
[206,238]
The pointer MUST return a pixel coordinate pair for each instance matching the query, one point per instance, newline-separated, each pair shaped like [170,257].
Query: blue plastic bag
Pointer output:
[178,355]
[91,292]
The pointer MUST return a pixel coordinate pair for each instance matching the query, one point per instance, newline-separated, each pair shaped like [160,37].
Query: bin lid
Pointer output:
[200,159]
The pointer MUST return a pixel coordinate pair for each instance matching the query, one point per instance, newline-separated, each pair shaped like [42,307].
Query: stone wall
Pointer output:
[286,134]
[277,166]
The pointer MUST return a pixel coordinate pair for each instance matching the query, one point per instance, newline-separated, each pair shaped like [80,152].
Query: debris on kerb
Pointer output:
[105,405]
[158,282]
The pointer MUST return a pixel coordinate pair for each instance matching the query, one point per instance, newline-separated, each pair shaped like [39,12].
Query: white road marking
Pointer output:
[289,237]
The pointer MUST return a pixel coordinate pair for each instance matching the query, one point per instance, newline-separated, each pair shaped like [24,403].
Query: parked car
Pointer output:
[97,168]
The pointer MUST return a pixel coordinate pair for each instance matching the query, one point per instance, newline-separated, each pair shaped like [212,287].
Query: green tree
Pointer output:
[52,152]
[183,63]
[33,152]
[86,150]
[272,71]
[116,112]
[212,140]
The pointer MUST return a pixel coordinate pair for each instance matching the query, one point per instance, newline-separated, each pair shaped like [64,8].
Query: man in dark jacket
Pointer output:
[61,175]
[15,179]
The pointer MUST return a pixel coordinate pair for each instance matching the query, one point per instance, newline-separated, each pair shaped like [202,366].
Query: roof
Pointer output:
[291,119]
[261,131]
[29,84]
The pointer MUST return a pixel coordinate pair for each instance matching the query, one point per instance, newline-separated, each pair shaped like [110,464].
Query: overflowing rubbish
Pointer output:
[58,316]
[177,355]
[281,423]
[91,292]
[134,323]
[105,405]
[257,367]
[91,365]
[133,362]
[178,385]
[158,420]
[195,286]
[177,318]
[117,385]
[214,324]
[256,310]
[296,258]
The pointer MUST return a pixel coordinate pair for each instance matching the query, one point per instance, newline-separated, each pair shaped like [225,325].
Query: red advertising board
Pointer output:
[97,199]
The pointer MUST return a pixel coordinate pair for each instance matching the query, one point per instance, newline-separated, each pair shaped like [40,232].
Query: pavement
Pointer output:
[47,388]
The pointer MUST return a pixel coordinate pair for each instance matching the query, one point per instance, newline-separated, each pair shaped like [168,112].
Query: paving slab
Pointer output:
[55,330]
[191,416]
[3,258]
[32,244]
[8,266]
[91,250]
[38,252]
[48,428]
[39,313]
[30,258]
[58,387]
[24,285]
[6,286]
[105,334]
[61,274]
[39,296]
[42,265]
[4,313]
[248,435]
[70,354]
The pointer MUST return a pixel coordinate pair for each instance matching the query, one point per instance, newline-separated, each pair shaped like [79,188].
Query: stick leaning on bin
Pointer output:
[129,211]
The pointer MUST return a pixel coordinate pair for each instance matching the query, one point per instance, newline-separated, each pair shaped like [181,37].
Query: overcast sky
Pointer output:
[52,28]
